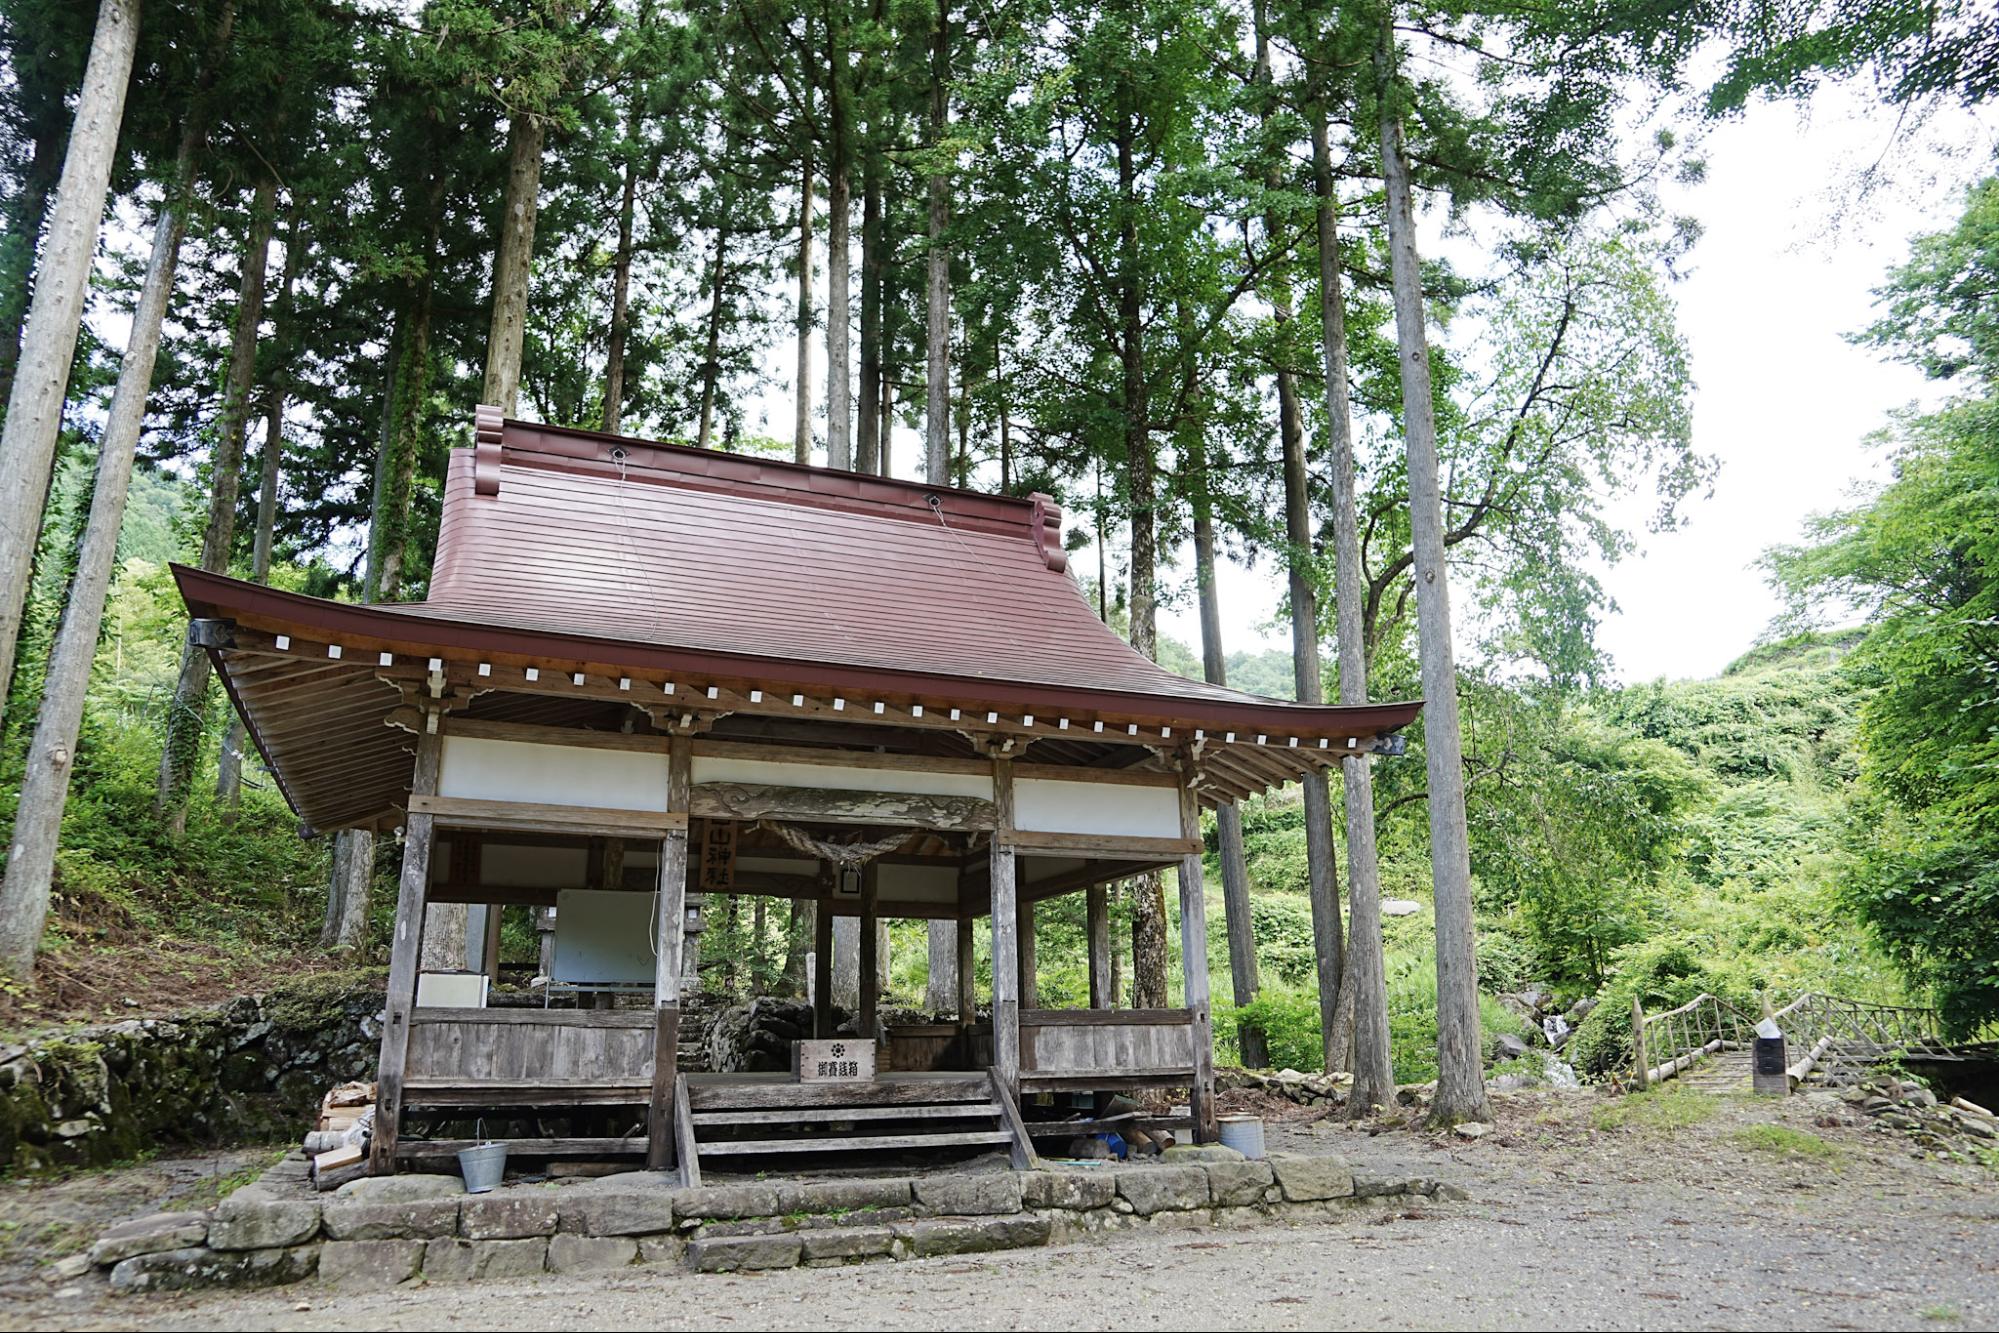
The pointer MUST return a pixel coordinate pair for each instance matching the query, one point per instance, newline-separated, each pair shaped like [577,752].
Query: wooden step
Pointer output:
[521,1092]
[850,1143]
[739,1094]
[948,1111]
[632,1147]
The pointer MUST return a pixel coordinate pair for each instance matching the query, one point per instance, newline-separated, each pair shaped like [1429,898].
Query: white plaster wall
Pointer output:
[839,777]
[1045,805]
[488,770]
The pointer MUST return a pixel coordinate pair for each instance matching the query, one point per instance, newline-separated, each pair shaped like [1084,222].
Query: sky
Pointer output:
[1785,269]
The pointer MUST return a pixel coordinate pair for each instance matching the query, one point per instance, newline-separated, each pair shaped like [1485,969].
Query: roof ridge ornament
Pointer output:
[1047,523]
[489,423]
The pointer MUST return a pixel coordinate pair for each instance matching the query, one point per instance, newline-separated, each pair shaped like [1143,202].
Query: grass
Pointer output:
[1941,1314]
[215,1189]
[1790,1145]
[1671,1107]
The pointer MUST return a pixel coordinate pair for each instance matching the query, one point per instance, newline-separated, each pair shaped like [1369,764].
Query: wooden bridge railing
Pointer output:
[1664,1045]
[1837,1038]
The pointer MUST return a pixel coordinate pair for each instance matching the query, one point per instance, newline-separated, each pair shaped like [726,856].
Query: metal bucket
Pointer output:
[1244,1133]
[482,1167]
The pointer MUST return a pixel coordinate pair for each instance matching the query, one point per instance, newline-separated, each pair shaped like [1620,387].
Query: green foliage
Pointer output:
[1673,1106]
[1787,1144]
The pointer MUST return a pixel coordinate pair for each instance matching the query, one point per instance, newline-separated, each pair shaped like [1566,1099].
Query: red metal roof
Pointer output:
[850,571]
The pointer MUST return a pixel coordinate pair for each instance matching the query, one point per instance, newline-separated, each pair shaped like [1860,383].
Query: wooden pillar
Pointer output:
[822,969]
[667,963]
[1006,953]
[404,947]
[1097,911]
[1030,966]
[870,956]
[968,975]
[490,954]
[1194,967]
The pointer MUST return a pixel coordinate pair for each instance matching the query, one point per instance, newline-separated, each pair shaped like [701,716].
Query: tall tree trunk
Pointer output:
[1365,982]
[839,257]
[187,715]
[711,362]
[937,270]
[1251,1041]
[229,772]
[867,450]
[621,297]
[1321,856]
[797,939]
[511,266]
[48,345]
[24,895]
[1460,1067]
[26,211]
[801,441]
[1148,901]
[890,328]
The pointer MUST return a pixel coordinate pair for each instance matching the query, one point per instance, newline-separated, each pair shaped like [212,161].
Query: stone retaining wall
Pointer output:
[250,1070]
[384,1231]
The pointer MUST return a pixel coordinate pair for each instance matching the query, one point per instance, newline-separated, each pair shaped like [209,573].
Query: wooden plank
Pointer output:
[746,1095]
[632,1147]
[1107,1080]
[711,747]
[1019,1146]
[1111,846]
[668,944]
[1080,1018]
[946,1111]
[683,1136]
[404,951]
[1194,969]
[526,1093]
[504,896]
[1006,953]
[552,1018]
[540,817]
[756,800]
[855,1143]
[535,734]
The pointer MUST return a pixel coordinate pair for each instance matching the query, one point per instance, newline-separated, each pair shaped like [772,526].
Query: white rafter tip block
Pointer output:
[1294,742]
[1165,733]
[880,707]
[533,673]
[666,687]
[991,718]
[756,696]
[1323,742]
[1131,730]
[437,664]
[1228,738]
[624,682]
[714,692]
[1062,724]
[839,705]
[485,668]
[284,642]
[386,659]
[576,678]
[798,701]
[954,715]
[916,710]
[1262,739]
[1200,733]
[1027,719]
[333,650]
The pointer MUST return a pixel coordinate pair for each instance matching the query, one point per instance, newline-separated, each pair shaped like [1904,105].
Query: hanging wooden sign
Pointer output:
[718,855]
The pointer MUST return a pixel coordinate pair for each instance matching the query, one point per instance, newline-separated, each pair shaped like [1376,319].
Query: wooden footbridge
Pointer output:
[1829,1039]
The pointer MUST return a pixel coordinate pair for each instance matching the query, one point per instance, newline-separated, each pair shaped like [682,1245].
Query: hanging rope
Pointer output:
[839,853]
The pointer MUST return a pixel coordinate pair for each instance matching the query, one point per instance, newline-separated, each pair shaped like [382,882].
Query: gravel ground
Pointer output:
[1573,1224]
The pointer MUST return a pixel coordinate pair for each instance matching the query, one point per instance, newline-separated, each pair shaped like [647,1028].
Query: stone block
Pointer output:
[742,1254]
[508,1214]
[840,1243]
[1156,1189]
[963,1195]
[149,1235]
[1305,1177]
[251,1220]
[1067,1189]
[841,1196]
[972,1235]
[401,1189]
[365,1219]
[449,1260]
[1237,1184]
[568,1253]
[665,1249]
[369,1265]
[746,1200]
[616,1206]
[201,1269]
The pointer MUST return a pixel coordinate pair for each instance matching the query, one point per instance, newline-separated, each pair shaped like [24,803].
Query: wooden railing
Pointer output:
[1665,1045]
[1837,1039]
[551,1048]
[1106,1047]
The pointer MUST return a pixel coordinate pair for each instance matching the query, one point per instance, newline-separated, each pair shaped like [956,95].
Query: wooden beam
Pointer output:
[539,817]
[531,733]
[1194,972]
[745,800]
[1110,846]
[672,936]
[1006,954]
[404,954]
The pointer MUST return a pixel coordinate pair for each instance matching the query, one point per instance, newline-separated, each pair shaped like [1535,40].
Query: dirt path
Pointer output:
[1670,1219]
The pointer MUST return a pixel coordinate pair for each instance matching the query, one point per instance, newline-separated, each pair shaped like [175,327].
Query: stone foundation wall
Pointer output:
[388,1230]
[247,1071]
